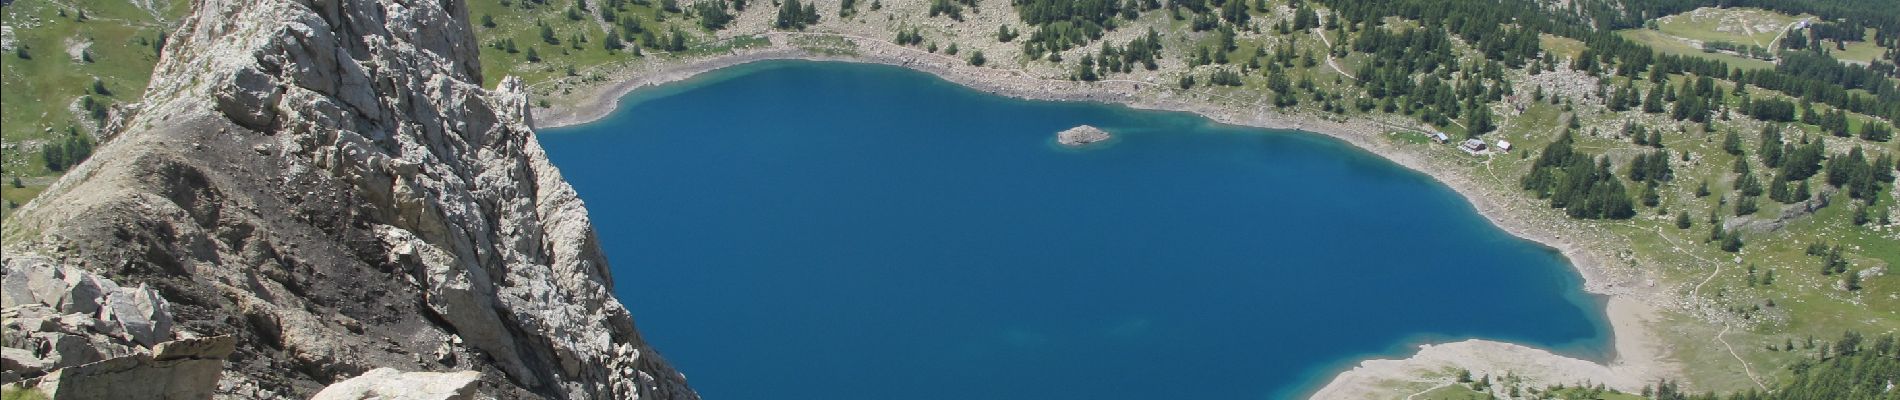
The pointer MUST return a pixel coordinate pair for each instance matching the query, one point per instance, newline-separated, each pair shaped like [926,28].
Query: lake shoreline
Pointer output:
[1639,354]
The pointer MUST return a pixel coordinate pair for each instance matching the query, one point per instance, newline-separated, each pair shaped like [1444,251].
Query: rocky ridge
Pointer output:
[325,182]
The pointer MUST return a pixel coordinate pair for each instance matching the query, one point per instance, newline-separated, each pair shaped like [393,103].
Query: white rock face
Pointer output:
[1081,136]
[390,384]
[326,181]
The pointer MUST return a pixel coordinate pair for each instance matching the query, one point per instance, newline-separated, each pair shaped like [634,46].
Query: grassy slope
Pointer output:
[518,22]
[1454,392]
[12,393]
[1673,34]
[1504,386]
[1746,26]
[1806,302]
[40,93]
[1737,25]
[1861,52]
[1668,44]
[1562,47]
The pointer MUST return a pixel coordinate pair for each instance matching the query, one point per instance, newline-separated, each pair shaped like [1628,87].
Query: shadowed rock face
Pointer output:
[326,181]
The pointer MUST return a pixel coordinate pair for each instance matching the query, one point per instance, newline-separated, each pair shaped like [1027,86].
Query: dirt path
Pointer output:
[1776,42]
[1441,385]
[1321,32]
[1738,357]
[1696,293]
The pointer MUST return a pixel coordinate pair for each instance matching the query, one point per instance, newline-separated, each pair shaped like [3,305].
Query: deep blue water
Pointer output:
[799,230]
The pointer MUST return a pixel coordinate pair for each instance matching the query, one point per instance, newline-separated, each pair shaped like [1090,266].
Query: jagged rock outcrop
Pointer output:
[1788,214]
[59,317]
[35,285]
[326,182]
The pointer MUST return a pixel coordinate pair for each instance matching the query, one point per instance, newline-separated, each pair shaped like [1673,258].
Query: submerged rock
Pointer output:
[1081,136]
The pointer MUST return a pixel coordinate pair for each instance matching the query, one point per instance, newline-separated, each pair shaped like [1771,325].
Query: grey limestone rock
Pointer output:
[390,384]
[183,369]
[70,316]
[327,182]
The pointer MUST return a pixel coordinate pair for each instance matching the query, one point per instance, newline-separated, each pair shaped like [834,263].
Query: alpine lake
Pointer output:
[840,231]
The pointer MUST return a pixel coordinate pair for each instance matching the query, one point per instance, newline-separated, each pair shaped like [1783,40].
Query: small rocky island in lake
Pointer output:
[1081,136]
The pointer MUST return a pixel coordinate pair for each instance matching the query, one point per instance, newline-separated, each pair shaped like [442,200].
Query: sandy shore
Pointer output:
[1637,362]
[1640,356]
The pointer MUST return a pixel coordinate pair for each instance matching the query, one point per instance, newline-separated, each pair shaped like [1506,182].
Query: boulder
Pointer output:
[216,347]
[90,302]
[39,281]
[390,384]
[184,369]
[14,290]
[22,361]
[140,313]
[60,316]
[40,340]
[68,349]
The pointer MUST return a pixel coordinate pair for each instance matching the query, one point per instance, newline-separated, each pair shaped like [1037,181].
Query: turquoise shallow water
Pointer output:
[802,230]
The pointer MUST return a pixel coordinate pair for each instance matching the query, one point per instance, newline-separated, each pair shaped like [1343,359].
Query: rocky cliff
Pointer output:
[326,181]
